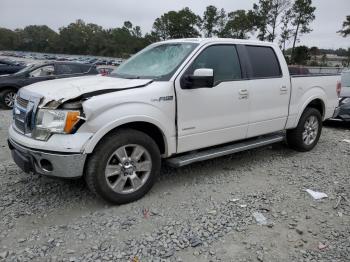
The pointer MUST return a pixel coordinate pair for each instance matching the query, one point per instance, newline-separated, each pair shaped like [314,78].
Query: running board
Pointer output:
[210,153]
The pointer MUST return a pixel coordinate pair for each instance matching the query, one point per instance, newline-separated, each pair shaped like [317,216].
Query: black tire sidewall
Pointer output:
[296,136]
[102,154]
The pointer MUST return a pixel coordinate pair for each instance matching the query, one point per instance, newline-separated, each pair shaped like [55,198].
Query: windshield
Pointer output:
[25,69]
[155,62]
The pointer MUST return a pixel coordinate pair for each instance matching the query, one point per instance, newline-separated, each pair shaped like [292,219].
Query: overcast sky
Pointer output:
[330,14]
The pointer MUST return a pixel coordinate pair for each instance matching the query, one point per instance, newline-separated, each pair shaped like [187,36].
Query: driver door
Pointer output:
[217,115]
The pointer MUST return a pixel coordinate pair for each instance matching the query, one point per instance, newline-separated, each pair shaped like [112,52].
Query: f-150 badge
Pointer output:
[162,99]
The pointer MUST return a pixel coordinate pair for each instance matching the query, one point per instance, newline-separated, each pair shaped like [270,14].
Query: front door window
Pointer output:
[43,71]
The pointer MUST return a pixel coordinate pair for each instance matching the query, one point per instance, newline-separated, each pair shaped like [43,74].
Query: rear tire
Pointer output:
[306,135]
[7,98]
[123,167]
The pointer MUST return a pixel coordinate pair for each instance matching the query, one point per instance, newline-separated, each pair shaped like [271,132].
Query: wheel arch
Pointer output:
[148,127]
[9,86]
[315,98]
[318,104]
[313,102]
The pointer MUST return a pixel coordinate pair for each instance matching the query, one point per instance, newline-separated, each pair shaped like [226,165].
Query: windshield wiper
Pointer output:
[133,77]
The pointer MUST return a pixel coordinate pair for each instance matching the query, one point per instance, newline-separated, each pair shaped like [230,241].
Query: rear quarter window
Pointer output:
[264,62]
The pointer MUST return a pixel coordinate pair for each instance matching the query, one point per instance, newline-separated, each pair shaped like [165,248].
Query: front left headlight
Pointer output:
[345,101]
[54,122]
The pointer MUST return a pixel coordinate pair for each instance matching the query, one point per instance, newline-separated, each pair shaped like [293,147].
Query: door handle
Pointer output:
[283,90]
[243,94]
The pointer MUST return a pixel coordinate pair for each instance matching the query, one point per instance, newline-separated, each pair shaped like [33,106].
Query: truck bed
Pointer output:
[325,86]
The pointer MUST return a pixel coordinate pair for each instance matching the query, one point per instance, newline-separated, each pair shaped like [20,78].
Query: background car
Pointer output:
[345,83]
[343,111]
[10,84]
[9,67]
[105,70]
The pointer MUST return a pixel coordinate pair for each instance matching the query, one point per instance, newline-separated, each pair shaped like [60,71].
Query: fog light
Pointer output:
[46,165]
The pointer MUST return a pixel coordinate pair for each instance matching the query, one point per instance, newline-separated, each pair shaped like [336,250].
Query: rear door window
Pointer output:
[84,68]
[65,69]
[264,62]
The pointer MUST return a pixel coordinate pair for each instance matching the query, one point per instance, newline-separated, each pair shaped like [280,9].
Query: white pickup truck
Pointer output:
[182,101]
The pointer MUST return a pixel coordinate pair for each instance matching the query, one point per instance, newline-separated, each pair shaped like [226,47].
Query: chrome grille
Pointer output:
[24,111]
[21,114]
[20,126]
[19,119]
[21,102]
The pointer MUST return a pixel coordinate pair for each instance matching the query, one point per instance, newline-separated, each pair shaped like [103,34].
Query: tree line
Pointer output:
[77,38]
[314,56]
[281,21]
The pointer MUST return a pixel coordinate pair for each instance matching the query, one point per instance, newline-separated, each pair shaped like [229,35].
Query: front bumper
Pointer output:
[65,165]
[336,112]
[342,113]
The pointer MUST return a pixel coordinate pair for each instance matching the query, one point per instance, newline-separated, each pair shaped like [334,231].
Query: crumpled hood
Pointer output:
[62,90]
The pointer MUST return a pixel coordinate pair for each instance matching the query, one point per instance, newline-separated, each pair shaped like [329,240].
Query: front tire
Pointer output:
[306,135]
[7,98]
[123,167]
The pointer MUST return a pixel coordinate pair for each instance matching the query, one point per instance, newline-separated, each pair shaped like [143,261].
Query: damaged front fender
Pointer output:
[56,92]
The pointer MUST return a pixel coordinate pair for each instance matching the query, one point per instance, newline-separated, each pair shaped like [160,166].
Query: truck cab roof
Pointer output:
[203,41]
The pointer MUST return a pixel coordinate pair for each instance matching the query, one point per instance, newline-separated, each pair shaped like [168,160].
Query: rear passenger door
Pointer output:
[269,90]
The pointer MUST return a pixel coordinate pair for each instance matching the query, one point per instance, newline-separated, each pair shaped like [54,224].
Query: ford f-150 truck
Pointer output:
[182,101]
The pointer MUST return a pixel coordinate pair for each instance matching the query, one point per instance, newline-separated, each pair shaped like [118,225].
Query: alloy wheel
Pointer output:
[128,169]
[311,128]
[9,99]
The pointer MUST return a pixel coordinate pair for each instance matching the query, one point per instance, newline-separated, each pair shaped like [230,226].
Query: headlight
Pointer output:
[54,121]
[345,101]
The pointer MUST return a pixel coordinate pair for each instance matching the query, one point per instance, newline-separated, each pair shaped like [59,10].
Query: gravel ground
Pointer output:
[204,212]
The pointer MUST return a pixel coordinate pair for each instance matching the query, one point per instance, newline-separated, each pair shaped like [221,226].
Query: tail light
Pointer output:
[338,88]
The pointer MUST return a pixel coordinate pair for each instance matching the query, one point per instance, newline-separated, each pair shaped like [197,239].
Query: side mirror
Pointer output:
[201,78]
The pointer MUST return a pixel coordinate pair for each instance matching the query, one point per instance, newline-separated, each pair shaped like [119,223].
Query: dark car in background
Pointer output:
[342,112]
[10,84]
[9,67]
